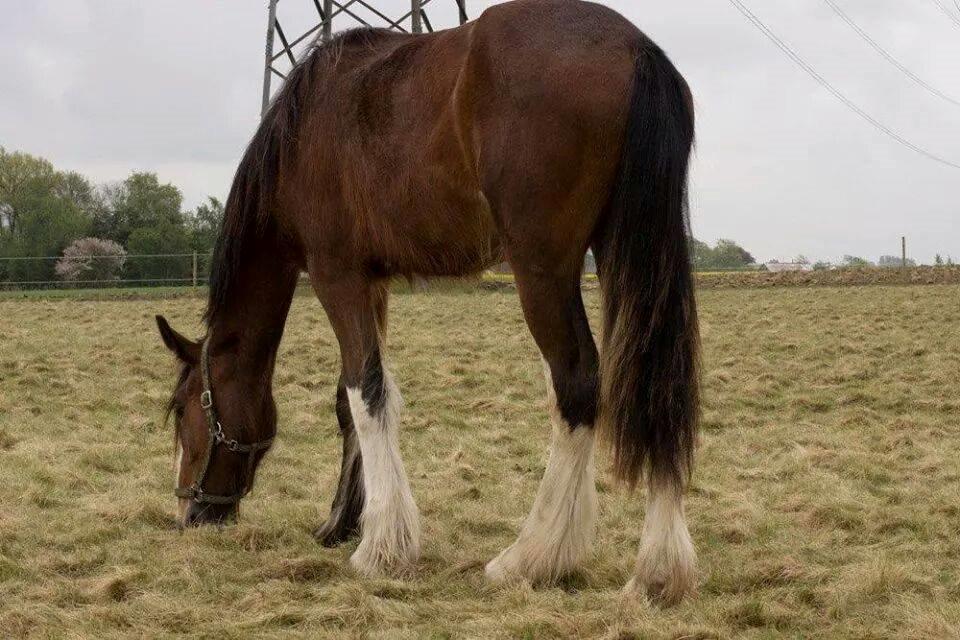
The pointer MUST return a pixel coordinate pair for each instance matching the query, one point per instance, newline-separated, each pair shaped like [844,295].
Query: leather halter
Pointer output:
[216,437]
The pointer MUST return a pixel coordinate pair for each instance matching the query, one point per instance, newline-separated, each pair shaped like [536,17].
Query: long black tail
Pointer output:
[650,363]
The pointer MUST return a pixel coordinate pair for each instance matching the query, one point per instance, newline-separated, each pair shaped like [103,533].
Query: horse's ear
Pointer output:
[187,350]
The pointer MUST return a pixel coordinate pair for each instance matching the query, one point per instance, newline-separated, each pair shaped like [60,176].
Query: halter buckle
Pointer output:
[218,435]
[206,399]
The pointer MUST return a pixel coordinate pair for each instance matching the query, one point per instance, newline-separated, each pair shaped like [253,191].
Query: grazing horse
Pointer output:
[540,130]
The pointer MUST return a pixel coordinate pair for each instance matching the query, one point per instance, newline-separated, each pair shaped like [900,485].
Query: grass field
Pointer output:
[826,501]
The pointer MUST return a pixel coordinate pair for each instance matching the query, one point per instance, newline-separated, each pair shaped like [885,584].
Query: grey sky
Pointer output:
[108,86]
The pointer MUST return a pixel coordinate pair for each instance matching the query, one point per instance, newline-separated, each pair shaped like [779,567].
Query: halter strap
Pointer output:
[215,436]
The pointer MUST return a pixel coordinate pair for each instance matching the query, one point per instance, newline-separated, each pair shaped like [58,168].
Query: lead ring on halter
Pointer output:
[195,491]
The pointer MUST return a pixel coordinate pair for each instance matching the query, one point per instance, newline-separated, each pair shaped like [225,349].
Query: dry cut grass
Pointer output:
[826,502]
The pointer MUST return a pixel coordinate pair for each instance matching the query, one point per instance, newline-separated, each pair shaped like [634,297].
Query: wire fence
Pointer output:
[131,271]
[27,273]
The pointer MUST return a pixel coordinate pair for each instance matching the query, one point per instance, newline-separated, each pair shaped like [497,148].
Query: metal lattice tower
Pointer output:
[354,12]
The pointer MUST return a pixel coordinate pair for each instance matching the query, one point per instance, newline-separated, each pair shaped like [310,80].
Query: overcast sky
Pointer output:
[109,86]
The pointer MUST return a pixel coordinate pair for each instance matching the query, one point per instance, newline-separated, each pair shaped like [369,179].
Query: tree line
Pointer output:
[43,211]
[724,255]
[46,212]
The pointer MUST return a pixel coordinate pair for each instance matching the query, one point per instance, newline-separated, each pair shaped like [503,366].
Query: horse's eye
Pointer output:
[179,413]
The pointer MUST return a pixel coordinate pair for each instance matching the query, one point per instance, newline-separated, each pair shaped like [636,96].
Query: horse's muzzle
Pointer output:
[204,513]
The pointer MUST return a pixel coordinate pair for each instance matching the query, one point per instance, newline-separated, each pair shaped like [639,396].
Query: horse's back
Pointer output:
[449,147]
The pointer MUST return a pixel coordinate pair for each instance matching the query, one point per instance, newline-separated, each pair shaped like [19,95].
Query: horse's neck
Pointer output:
[254,316]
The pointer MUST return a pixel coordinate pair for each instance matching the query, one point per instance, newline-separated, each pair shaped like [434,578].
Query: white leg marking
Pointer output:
[559,530]
[390,521]
[666,564]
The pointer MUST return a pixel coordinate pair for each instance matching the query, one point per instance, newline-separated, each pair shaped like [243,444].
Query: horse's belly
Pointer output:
[447,236]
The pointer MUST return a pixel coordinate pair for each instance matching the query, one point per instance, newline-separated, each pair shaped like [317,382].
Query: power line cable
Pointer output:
[793,55]
[886,54]
[947,11]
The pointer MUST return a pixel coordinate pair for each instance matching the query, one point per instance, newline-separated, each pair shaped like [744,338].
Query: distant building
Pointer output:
[774,266]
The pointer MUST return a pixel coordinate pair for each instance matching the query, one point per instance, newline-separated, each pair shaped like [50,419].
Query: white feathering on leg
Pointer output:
[558,533]
[665,569]
[390,521]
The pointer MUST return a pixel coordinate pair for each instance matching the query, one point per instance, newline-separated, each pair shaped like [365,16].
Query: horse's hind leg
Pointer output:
[559,530]
[389,521]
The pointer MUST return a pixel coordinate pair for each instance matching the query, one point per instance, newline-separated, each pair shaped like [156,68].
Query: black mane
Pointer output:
[247,215]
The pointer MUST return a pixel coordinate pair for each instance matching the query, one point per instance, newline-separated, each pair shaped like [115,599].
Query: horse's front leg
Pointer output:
[389,522]
[344,520]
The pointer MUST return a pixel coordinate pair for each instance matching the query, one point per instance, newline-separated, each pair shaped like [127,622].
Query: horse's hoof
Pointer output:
[374,567]
[659,592]
[496,572]
[366,566]
[330,534]
[506,568]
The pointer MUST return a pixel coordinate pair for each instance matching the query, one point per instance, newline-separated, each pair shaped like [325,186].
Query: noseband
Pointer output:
[195,492]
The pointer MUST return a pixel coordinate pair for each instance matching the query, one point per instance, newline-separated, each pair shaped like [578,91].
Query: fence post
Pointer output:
[194,269]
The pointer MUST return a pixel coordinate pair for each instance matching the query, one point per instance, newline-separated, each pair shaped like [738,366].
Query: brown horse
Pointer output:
[542,129]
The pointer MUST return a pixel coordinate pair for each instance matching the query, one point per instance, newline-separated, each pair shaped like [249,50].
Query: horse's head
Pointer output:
[225,422]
